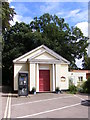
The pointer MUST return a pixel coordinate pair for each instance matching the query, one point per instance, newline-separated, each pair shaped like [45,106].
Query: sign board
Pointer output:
[63,79]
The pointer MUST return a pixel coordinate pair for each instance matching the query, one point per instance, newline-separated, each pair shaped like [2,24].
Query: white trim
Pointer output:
[40,53]
[37,78]
[47,50]
[45,61]
[36,55]
[56,73]
[27,53]
[53,77]
[44,67]
[57,55]
[34,76]
[30,77]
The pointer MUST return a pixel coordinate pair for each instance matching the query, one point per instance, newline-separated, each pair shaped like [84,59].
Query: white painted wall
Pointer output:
[74,76]
[44,67]
[18,68]
[45,56]
[62,70]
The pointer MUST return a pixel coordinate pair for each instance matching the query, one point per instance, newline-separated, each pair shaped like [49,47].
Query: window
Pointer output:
[80,78]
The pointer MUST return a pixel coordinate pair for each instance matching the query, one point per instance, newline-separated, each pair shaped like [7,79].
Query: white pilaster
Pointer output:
[30,75]
[53,77]
[34,76]
[37,78]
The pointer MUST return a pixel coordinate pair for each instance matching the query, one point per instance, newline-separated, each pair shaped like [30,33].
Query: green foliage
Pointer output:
[72,88]
[57,89]
[33,89]
[68,42]
[48,30]
[86,62]
[7,15]
[86,86]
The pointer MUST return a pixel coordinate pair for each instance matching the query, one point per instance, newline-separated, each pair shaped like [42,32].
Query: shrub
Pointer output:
[33,89]
[86,86]
[72,88]
[80,89]
[57,89]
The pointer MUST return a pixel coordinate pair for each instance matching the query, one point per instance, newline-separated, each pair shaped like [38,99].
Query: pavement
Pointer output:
[44,105]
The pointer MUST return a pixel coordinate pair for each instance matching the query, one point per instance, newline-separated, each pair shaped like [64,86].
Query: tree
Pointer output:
[48,30]
[86,62]
[7,15]
[14,46]
[68,42]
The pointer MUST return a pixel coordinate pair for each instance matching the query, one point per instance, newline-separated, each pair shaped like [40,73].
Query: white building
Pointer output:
[46,70]
[78,76]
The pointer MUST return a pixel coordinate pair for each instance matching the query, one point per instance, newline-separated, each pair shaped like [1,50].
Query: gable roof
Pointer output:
[51,52]
[40,53]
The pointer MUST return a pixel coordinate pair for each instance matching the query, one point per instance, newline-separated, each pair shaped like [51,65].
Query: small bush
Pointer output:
[86,86]
[73,88]
[33,89]
[80,90]
[57,89]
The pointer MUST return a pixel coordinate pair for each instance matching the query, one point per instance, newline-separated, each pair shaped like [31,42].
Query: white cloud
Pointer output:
[19,18]
[12,7]
[59,13]
[77,15]
[79,62]
[22,9]
[49,7]
[10,1]
[51,0]
[84,27]
[73,13]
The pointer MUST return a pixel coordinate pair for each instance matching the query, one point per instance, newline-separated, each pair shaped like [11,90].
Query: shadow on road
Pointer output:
[5,89]
[85,102]
[6,95]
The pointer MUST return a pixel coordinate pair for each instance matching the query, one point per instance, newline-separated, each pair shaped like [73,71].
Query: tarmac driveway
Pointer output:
[47,105]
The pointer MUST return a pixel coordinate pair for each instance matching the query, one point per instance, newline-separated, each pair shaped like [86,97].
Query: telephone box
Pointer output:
[23,83]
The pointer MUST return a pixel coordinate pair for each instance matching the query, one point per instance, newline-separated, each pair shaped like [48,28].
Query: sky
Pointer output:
[74,13]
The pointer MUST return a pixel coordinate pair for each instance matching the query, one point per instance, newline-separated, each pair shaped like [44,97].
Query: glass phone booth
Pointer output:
[23,83]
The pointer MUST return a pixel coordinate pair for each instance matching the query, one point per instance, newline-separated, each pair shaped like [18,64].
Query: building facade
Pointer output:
[78,76]
[46,70]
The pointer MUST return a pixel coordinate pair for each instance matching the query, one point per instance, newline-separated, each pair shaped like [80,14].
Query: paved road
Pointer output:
[4,91]
[45,105]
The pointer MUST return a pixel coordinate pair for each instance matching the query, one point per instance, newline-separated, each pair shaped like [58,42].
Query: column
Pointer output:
[37,78]
[53,77]
[30,76]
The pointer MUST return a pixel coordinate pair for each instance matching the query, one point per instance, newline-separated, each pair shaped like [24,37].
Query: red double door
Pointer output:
[44,80]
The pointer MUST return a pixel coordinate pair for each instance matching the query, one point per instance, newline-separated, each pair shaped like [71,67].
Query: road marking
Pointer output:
[41,100]
[48,111]
[8,107]
[79,97]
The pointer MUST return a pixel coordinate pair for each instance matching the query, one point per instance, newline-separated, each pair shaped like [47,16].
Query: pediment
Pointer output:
[41,53]
[44,55]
